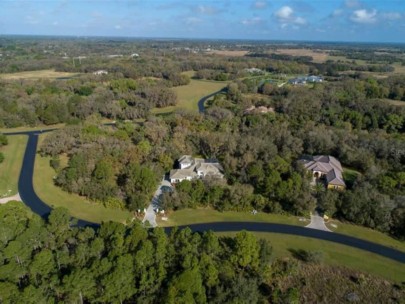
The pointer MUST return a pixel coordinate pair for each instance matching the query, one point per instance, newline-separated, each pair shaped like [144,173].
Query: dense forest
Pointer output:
[54,262]
[347,116]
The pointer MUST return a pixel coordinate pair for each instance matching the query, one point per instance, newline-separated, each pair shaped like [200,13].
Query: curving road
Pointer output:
[31,199]
[201,102]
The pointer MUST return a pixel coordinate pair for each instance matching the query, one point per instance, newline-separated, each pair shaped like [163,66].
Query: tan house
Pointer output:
[192,168]
[326,168]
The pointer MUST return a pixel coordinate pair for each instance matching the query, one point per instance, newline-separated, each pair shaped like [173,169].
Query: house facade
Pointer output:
[190,168]
[326,168]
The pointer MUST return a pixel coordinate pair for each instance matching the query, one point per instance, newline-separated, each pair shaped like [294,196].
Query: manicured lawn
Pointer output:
[11,166]
[40,74]
[335,254]
[78,206]
[189,95]
[366,234]
[192,216]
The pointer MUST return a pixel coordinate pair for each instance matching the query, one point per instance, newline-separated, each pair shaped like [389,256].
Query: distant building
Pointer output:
[305,79]
[258,110]
[190,168]
[327,169]
[254,71]
[100,72]
[134,55]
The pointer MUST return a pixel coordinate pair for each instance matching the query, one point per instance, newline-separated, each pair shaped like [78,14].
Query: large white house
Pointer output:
[191,168]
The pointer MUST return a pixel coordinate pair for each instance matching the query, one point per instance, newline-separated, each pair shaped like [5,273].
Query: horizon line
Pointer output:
[201,39]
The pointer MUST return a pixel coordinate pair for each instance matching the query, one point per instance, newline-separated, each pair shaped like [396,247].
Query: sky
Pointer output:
[319,20]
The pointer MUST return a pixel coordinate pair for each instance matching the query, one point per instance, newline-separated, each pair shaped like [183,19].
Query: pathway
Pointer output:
[317,222]
[11,198]
[150,214]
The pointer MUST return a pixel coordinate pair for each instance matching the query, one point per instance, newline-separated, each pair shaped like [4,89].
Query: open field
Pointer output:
[11,166]
[189,95]
[335,254]
[78,206]
[228,53]
[207,215]
[318,56]
[40,74]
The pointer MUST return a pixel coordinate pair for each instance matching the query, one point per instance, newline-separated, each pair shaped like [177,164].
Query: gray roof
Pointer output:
[328,165]
[186,159]
[182,173]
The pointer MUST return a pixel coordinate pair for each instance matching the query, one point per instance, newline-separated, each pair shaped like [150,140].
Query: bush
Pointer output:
[3,140]
[1,157]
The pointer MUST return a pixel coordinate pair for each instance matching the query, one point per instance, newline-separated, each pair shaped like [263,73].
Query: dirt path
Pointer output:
[11,198]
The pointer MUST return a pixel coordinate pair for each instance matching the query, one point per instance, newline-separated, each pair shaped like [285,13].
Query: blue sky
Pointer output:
[323,20]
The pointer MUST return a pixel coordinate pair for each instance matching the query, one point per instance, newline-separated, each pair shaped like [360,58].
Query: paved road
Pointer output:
[201,102]
[30,198]
[317,222]
[150,214]
[300,231]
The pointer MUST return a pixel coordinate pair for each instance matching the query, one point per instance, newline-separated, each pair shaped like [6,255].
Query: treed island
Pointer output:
[139,136]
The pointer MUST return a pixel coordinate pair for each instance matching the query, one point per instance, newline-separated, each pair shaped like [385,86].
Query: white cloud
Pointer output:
[260,4]
[118,27]
[364,16]
[286,16]
[285,12]
[300,21]
[252,21]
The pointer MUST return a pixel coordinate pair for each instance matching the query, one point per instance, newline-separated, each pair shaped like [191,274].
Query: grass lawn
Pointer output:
[40,74]
[366,234]
[78,206]
[335,254]
[189,95]
[206,215]
[11,166]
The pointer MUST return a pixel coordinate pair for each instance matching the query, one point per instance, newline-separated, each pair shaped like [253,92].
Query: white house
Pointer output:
[190,168]
[100,72]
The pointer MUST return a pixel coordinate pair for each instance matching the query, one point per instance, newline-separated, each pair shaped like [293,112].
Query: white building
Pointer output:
[190,168]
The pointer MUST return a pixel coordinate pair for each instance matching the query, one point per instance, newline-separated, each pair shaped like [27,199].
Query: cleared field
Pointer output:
[11,166]
[335,254]
[228,53]
[78,206]
[318,56]
[41,74]
[189,95]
